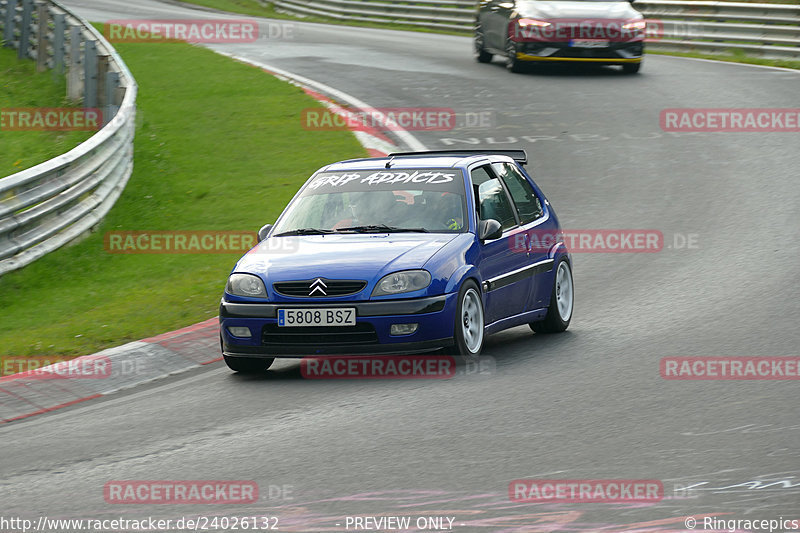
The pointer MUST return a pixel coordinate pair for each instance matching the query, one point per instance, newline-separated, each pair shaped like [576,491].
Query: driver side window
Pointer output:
[529,208]
[491,198]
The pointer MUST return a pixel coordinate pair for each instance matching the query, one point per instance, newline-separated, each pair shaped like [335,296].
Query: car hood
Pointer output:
[578,10]
[349,256]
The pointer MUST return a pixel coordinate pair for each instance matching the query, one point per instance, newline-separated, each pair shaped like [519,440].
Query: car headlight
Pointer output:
[635,25]
[248,285]
[526,22]
[405,281]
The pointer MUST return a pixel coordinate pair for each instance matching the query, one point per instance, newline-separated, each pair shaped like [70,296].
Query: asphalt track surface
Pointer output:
[586,404]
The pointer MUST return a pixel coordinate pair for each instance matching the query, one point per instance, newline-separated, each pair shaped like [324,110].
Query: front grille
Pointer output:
[634,49]
[586,52]
[311,336]
[319,287]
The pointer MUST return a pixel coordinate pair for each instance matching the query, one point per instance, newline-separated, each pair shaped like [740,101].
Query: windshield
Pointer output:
[362,201]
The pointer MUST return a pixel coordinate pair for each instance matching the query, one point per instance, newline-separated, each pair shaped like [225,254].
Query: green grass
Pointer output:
[22,87]
[219,146]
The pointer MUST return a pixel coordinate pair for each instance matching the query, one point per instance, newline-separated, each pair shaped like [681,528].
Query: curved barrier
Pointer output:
[454,15]
[47,206]
[766,30]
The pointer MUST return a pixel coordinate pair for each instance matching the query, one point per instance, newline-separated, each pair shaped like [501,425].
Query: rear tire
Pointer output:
[248,365]
[559,313]
[469,322]
[631,68]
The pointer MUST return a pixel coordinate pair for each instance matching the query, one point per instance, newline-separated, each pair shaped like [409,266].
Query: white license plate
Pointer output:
[345,316]
[589,43]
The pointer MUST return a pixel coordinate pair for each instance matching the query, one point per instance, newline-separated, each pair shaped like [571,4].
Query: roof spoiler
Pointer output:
[520,156]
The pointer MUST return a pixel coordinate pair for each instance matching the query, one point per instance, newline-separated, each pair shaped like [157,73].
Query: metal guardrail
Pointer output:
[47,206]
[457,15]
[766,30]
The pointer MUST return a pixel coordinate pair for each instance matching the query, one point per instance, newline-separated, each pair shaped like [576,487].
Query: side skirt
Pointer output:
[516,320]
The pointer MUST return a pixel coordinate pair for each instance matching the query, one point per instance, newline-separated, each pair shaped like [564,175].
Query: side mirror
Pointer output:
[489,229]
[264,231]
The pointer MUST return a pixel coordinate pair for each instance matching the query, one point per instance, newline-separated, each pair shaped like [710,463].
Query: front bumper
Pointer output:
[371,334]
[615,53]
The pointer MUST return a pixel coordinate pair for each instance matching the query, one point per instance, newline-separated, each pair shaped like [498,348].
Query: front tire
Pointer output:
[512,63]
[480,51]
[631,68]
[469,322]
[562,299]
[248,365]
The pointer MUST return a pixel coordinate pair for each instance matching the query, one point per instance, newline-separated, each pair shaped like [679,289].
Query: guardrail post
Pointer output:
[74,87]
[43,19]
[25,29]
[102,69]
[8,24]
[111,86]
[90,74]
[59,24]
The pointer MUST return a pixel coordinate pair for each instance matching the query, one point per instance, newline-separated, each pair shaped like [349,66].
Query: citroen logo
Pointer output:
[318,286]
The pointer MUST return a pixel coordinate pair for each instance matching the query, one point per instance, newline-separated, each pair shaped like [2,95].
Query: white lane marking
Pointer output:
[412,142]
[795,71]
[370,141]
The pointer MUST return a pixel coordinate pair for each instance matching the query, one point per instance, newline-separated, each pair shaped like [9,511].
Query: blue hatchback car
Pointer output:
[398,255]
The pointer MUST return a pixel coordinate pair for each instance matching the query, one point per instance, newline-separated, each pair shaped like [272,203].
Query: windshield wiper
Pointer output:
[381,228]
[305,231]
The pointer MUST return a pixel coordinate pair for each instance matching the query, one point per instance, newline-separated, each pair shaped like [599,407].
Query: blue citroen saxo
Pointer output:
[398,255]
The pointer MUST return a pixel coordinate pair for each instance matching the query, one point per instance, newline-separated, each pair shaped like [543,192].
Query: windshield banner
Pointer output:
[426,179]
